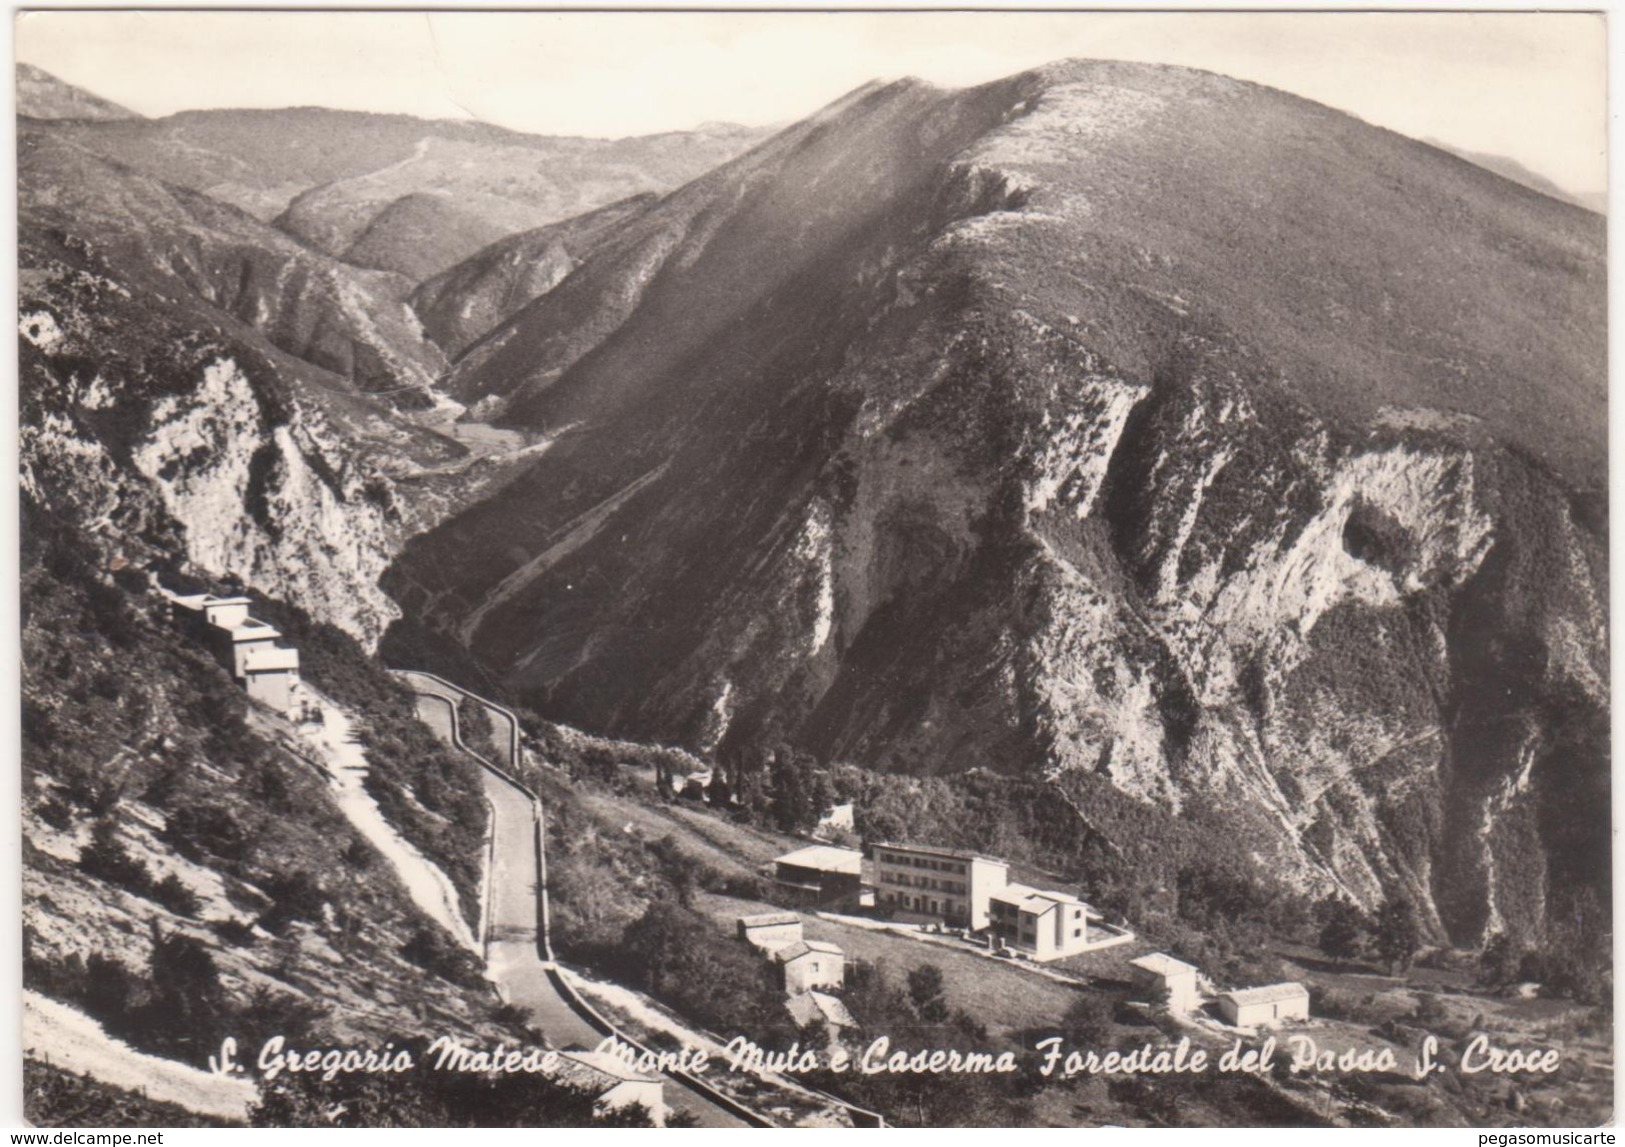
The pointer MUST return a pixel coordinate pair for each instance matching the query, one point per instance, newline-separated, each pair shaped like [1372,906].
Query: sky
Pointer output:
[1531,87]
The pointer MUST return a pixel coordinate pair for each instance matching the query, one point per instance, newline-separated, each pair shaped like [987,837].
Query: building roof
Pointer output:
[806,1006]
[806,948]
[769,919]
[1163,964]
[599,1070]
[1267,994]
[266,660]
[251,629]
[825,858]
[1035,900]
[932,850]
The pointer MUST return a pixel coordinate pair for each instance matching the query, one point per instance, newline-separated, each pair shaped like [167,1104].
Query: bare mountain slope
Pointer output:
[462,303]
[327,174]
[40,95]
[350,322]
[1130,425]
[419,234]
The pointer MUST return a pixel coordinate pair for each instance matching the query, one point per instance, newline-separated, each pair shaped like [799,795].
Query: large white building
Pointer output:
[917,882]
[1044,924]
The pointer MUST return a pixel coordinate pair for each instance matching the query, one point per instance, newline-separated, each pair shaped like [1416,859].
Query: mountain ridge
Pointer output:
[1061,441]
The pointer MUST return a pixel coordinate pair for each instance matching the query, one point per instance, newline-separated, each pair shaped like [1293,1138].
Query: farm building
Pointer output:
[810,964]
[770,931]
[822,874]
[1160,972]
[1264,1006]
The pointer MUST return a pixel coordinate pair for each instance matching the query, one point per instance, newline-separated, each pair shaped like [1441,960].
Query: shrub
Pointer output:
[174,894]
[196,830]
[431,949]
[235,932]
[106,858]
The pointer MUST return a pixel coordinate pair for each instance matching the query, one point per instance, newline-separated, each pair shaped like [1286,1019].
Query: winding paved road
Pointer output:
[515,904]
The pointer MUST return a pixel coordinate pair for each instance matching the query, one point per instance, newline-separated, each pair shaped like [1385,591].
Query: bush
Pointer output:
[175,895]
[235,933]
[431,949]
[106,858]
[197,830]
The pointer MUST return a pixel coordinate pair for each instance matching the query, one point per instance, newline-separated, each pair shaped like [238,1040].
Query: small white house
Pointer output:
[770,931]
[1159,973]
[271,677]
[810,964]
[1264,1006]
[614,1081]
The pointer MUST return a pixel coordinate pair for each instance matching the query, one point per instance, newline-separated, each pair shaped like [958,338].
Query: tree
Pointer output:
[1498,963]
[1397,934]
[925,992]
[1088,1021]
[792,791]
[1342,929]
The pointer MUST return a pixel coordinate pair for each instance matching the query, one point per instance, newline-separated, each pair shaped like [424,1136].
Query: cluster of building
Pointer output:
[247,646]
[950,887]
[811,969]
[1161,976]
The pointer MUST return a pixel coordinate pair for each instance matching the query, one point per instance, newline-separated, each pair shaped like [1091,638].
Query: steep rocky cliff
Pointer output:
[1110,421]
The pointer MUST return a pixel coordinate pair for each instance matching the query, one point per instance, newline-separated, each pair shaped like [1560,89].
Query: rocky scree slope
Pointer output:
[1120,424]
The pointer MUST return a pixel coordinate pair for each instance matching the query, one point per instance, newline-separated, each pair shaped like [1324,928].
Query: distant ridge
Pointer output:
[40,95]
[1509,168]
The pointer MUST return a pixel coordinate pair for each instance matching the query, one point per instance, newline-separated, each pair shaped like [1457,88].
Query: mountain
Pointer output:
[462,303]
[1159,434]
[349,322]
[418,235]
[327,174]
[269,398]
[511,182]
[40,95]
[1509,168]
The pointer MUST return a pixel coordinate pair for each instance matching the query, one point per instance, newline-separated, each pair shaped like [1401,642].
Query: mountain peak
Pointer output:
[40,95]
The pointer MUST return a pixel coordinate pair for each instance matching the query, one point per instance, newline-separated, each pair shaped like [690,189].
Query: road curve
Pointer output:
[514,938]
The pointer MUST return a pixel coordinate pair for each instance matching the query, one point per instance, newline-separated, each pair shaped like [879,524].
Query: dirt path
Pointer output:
[57,1034]
[346,763]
